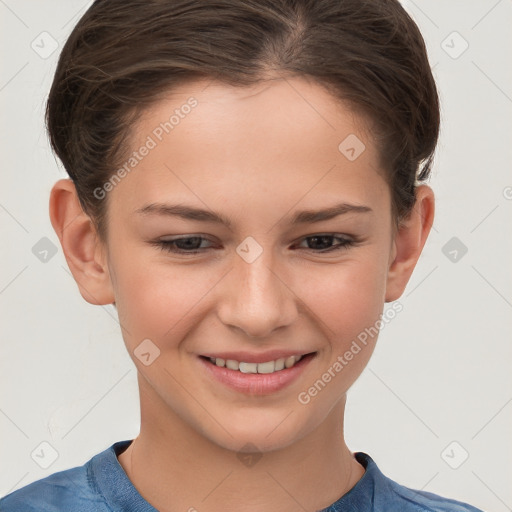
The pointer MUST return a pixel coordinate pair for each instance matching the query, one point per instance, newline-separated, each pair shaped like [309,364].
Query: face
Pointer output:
[260,274]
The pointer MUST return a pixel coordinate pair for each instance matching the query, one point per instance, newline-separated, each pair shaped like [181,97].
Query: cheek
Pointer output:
[158,301]
[346,297]
[347,304]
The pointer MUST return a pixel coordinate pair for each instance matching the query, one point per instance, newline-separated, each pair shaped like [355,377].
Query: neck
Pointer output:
[176,468]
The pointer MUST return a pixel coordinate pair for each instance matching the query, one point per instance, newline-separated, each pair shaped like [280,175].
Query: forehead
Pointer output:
[263,109]
[279,137]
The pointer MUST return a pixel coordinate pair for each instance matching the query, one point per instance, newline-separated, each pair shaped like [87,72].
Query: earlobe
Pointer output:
[409,241]
[80,243]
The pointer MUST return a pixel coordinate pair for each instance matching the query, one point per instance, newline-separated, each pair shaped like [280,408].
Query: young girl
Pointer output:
[246,189]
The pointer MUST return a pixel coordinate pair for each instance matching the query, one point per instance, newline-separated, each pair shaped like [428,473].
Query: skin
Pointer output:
[256,155]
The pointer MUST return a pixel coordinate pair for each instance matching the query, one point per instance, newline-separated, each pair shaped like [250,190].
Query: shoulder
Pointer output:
[69,490]
[390,496]
[414,500]
[423,501]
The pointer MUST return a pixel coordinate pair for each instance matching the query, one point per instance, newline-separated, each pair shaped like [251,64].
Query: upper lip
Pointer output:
[261,357]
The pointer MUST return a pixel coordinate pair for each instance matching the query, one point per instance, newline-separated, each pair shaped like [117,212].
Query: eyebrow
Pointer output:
[302,217]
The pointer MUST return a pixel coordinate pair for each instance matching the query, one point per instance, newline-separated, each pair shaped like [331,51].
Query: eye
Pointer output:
[184,245]
[320,243]
[323,242]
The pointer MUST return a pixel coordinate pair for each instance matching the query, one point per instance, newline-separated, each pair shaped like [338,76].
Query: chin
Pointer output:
[261,436]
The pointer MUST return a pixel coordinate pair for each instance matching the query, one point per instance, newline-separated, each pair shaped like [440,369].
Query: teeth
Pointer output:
[266,367]
[232,365]
[289,361]
[279,364]
[248,367]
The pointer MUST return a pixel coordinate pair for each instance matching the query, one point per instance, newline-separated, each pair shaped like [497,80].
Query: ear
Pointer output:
[85,254]
[409,241]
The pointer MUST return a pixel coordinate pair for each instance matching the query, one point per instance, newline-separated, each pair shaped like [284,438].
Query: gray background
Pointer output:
[433,407]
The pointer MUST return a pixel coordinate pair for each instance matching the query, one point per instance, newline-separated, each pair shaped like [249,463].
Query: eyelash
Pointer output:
[169,245]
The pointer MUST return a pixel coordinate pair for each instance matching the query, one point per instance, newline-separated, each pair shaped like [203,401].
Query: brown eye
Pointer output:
[183,245]
[324,243]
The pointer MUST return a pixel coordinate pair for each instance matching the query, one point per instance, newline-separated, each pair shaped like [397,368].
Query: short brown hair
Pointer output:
[123,54]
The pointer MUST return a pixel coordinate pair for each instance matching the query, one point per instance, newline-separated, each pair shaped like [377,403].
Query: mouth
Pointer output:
[264,377]
[266,367]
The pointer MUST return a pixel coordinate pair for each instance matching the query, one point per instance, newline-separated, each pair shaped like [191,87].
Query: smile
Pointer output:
[266,367]
[261,375]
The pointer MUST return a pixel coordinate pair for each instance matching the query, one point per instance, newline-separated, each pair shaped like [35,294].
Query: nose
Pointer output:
[255,297]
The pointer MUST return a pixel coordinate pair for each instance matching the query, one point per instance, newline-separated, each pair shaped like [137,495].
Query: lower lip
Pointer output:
[256,383]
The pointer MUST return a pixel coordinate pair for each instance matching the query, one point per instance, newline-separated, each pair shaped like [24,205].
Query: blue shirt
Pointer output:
[101,485]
